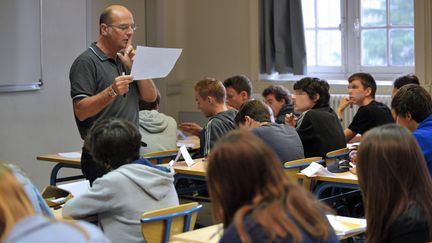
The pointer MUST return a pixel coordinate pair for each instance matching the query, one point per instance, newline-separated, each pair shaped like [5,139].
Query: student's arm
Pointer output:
[349,134]
[95,201]
[343,104]
[191,127]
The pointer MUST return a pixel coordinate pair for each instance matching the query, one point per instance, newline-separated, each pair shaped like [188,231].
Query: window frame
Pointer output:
[350,40]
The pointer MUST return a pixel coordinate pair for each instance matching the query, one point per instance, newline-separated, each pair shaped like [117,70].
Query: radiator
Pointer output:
[350,112]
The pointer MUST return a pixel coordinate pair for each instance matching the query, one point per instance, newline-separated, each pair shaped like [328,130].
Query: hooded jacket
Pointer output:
[120,197]
[423,134]
[158,131]
[215,128]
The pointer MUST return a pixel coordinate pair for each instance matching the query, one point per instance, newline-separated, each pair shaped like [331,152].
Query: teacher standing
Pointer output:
[101,86]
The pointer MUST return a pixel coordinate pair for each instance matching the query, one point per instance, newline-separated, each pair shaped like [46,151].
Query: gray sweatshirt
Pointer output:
[158,131]
[120,197]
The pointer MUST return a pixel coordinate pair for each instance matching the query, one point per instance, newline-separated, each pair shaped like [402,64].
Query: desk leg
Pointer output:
[56,169]
[321,187]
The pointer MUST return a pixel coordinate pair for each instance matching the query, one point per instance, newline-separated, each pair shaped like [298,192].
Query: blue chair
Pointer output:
[336,155]
[159,225]
[161,157]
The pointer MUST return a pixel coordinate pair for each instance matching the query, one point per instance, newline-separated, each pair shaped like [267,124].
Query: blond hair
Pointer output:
[14,203]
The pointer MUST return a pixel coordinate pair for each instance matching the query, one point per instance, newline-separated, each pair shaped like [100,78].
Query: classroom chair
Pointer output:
[158,225]
[161,157]
[291,168]
[336,155]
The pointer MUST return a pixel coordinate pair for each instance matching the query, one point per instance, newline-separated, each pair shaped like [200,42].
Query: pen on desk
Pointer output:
[124,95]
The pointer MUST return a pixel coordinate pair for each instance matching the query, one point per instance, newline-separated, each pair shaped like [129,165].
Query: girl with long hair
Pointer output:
[396,186]
[256,201]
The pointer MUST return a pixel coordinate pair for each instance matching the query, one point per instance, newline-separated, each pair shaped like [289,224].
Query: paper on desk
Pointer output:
[76,188]
[153,62]
[186,156]
[346,225]
[72,155]
[315,169]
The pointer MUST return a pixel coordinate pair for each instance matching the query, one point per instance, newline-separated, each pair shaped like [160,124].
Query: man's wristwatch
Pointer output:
[111,92]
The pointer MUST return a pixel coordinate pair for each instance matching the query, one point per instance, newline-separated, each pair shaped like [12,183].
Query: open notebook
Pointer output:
[346,225]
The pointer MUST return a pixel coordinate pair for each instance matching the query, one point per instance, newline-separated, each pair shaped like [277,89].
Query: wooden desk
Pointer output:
[210,234]
[62,162]
[196,171]
[351,227]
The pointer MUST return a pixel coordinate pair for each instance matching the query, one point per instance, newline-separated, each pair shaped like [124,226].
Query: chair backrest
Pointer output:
[161,157]
[293,167]
[338,154]
[158,225]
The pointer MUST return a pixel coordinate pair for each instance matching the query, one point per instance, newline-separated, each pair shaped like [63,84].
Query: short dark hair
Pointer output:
[405,79]
[314,86]
[114,142]
[144,105]
[413,99]
[256,109]
[105,17]
[239,83]
[211,87]
[279,92]
[367,81]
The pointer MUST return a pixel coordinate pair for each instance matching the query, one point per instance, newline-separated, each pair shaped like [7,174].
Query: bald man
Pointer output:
[101,86]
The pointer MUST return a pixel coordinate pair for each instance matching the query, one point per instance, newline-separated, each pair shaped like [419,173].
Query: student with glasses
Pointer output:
[101,86]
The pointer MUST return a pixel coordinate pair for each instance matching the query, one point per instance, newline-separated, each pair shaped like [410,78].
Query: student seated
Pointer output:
[403,80]
[268,206]
[210,96]
[318,126]
[238,90]
[20,223]
[361,91]
[412,108]
[278,98]
[158,130]
[396,186]
[284,140]
[132,187]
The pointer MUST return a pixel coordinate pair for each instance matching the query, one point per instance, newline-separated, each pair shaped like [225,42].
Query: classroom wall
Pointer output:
[41,122]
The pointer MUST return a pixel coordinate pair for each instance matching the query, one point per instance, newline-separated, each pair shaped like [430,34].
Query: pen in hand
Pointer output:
[124,95]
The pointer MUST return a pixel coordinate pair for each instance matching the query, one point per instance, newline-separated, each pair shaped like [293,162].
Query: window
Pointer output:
[347,36]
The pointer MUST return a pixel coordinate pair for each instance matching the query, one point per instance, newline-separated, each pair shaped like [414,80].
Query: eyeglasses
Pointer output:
[123,27]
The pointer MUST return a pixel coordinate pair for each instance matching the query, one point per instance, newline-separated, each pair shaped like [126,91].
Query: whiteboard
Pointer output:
[20,45]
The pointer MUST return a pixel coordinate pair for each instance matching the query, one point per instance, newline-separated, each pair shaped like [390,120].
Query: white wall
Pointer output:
[42,122]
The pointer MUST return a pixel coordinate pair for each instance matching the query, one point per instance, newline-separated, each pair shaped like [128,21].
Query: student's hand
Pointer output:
[342,105]
[290,120]
[353,170]
[191,127]
[121,84]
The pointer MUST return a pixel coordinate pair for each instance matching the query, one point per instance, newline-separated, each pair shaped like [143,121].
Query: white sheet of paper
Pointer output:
[72,155]
[154,62]
[315,169]
[186,156]
[76,188]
